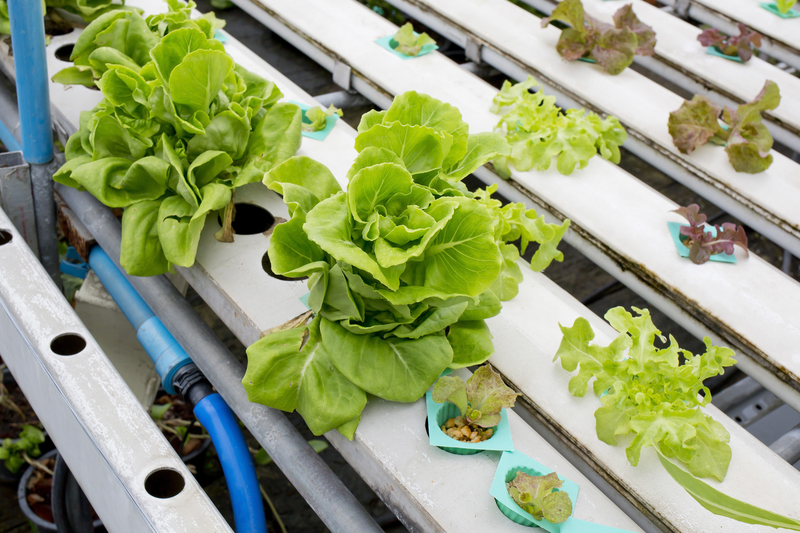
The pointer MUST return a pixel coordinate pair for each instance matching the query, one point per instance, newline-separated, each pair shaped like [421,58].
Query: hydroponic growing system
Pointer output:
[390,278]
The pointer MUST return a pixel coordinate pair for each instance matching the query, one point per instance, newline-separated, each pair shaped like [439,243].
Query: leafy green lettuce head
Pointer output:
[171,140]
[646,391]
[539,132]
[403,266]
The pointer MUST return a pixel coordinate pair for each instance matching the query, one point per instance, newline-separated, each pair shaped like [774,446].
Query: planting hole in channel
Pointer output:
[5,237]
[250,219]
[64,52]
[68,344]
[267,266]
[164,483]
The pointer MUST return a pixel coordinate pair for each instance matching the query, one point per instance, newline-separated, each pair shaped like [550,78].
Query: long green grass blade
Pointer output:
[722,504]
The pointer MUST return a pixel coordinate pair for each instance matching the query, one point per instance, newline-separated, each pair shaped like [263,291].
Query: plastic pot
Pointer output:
[22,491]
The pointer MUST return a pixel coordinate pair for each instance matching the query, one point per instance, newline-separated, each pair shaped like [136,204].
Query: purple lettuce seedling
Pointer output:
[480,401]
[611,47]
[747,141]
[538,496]
[702,244]
[732,45]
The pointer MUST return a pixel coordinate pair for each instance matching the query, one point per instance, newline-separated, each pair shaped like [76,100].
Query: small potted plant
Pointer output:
[531,494]
[736,48]
[470,416]
[408,44]
[701,242]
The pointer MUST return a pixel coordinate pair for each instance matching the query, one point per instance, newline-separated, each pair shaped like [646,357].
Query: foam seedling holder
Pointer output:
[439,413]
[772,7]
[320,135]
[714,51]
[388,42]
[675,232]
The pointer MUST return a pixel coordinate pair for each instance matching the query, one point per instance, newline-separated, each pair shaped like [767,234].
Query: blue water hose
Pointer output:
[210,409]
[215,415]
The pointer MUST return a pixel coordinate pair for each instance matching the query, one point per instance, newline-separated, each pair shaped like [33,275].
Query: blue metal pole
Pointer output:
[30,70]
[33,98]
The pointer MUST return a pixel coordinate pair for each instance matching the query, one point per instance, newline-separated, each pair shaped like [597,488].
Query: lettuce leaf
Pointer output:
[538,131]
[647,392]
[480,399]
[317,117]
[747,141]
[611,47]
[785,5]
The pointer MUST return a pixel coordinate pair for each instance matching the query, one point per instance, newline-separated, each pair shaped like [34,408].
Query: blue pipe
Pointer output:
[211,411]
[237,464]
[162,347]
[30,67]
[7,138]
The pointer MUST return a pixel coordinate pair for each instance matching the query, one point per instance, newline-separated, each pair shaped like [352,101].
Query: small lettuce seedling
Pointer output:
[480,401]
[408,43]
[702,244]
[747,141]
[14,452]
[611,47]
[317,117]
[538,496]
[732,45]
[785,5]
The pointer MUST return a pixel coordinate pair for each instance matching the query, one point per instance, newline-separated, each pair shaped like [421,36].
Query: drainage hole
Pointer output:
[758,407]
[738,419]
[250,219]
[5,237]
[64,52]
[164,483]
[68,344]
[266,264]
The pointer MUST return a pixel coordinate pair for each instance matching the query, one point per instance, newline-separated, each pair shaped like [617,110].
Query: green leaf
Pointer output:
[538,496]
[117,182]
[471,342]
[694,123]
[196,81]
[414,109]
[262,458]
[74,76]
[749,141]
[158,411]
[141,253]
[317,117]
[723,505]
[451,389]
[286,373]
[488,395]
[369,119]
[178,231]
[420,148]
[399,370]
[481,148]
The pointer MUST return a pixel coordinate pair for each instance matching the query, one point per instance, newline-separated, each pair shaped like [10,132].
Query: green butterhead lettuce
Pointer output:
[180,127]
[538,131]
[538,496]
[403,266]
[410,43]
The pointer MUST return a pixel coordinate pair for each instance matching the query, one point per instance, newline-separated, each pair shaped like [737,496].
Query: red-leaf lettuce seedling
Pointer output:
[703,244]
[730,45]
[538,496]
[611,47]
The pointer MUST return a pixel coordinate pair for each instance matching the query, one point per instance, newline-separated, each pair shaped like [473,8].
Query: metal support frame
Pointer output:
[33,97]
[324,492]
[109,441]
[788,446]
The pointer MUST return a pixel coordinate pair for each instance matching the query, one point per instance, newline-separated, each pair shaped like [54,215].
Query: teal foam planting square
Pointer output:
[304,300]
[772,7]
[320,135]
[587,60]
[386,42]
[675,232]
[220,36]
[712,51]
[499,442]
